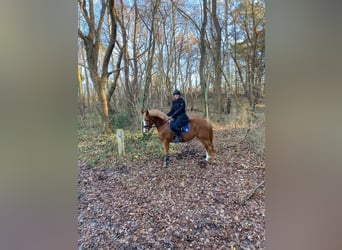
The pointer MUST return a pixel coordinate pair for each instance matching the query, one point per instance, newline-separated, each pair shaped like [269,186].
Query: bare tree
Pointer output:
[126,57]
[151,50]
[217,36]
[226,72]
[135,49]
[92,41]
[203,60]
[85,70]
[249,48]
[114,83]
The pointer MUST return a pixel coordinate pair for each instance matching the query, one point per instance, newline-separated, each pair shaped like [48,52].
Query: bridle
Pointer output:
[146,124]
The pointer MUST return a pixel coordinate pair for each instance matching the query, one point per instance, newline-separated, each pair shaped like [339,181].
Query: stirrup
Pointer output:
[178,139]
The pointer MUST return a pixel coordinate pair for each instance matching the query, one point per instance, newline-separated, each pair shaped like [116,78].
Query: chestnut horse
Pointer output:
[199,128]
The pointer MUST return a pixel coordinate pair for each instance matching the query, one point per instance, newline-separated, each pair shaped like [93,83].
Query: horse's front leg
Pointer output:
[166,153]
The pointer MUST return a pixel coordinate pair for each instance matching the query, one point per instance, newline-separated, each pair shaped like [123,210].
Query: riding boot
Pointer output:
[178,136]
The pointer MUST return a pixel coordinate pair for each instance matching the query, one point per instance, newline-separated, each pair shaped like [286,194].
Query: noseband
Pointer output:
[147,127]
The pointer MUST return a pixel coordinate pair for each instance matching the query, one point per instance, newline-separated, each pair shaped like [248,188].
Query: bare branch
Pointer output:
[242,202]
[113,17]
[234,145]
[82,36]
[84,66]
[84,11]
[114,71]
[186,16]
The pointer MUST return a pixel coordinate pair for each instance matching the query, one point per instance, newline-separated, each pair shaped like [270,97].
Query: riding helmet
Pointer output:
[176,92]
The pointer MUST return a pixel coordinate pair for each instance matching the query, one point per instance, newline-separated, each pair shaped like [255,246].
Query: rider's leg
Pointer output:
[177,131]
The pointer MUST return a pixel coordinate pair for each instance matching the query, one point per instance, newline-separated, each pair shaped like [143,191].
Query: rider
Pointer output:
[177,112]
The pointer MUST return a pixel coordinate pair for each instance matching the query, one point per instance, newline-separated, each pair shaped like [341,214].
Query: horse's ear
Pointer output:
[142,111]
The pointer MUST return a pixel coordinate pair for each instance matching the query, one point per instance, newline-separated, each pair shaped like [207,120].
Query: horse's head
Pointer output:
[146,121]
[154,118]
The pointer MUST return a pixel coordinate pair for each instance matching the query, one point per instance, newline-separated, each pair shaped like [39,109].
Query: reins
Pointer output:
[164,121]
[155,126]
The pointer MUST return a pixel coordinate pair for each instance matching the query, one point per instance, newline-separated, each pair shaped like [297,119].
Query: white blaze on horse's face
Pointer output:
[145,130]
[146,123]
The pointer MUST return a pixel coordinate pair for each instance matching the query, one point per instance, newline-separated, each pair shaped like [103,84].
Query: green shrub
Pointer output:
[121,120]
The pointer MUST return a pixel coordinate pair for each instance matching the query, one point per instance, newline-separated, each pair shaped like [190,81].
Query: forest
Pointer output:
[131,56]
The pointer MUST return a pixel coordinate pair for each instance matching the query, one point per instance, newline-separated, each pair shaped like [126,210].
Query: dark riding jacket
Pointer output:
[178,111]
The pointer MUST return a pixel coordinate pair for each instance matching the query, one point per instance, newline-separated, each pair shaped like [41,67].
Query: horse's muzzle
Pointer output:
[146,129]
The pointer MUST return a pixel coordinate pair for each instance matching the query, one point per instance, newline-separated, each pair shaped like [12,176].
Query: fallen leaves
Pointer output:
[186,206]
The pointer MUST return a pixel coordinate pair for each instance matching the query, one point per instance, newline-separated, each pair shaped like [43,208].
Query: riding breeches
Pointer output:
[176,126]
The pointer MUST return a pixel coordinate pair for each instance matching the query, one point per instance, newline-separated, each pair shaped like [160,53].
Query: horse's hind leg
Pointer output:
[209,149]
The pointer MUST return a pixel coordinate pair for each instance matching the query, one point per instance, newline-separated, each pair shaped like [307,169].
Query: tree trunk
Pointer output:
[204,86]
[173,46]
[217,60]
[80,92]
[101,91]
[135,50]
[86,77]
[128,87]
[152,42]
[114,84]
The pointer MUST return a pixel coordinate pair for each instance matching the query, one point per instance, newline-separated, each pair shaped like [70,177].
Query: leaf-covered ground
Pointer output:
[190,205]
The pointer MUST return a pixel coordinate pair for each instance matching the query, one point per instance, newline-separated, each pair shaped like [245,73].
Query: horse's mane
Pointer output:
[157,113]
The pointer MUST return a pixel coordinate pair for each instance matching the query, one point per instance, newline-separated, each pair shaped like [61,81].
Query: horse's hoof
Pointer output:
[167,161]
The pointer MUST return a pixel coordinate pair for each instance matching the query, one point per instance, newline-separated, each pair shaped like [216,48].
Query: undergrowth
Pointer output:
[101,150]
